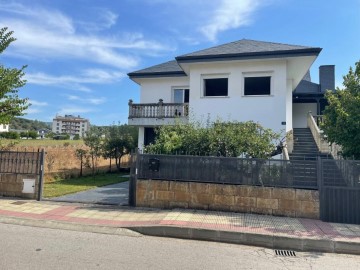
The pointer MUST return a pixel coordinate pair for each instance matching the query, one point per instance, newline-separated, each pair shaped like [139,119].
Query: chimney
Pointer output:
[327,78]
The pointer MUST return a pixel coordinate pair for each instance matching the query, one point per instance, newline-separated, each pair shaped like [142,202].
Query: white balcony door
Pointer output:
[181,95]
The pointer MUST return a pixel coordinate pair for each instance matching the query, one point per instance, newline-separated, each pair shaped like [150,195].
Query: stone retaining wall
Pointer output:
[235,198]
[11,185]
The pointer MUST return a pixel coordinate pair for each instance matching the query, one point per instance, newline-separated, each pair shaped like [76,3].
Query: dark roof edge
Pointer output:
[156,74]
[267,54]
[303,94]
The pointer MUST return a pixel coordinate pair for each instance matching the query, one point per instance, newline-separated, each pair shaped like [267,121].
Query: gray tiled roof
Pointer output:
[168,68]
[246,47]
[306,86]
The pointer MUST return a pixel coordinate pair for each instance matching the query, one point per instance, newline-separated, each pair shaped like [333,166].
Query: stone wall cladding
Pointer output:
[236,198]
[11,185]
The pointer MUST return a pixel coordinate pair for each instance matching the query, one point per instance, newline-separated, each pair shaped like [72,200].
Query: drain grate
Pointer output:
[285,253]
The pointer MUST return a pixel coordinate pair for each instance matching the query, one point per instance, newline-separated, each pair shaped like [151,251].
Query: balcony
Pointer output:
[155,114]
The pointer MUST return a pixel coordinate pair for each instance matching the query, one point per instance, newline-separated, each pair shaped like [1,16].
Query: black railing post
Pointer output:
[41,174]
[133,177]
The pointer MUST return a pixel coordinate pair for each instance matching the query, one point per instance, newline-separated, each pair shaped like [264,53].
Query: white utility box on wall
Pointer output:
[29,186]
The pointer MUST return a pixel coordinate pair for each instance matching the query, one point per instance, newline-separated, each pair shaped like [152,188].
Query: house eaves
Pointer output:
[246,56]
[167,69]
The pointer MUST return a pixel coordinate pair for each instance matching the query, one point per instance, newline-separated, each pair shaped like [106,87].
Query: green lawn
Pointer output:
[62,187]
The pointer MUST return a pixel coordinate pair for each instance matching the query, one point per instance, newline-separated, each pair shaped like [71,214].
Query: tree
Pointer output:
[119,141]
[81,154]
[227,139]
[94,140]
[341,120]
[11,80]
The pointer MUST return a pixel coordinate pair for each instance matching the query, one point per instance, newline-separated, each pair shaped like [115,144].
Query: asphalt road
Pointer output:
[116,194]
[25,247]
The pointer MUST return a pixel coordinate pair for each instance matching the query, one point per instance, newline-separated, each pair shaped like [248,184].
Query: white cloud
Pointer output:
[87,100]
[96,101]
[229,15]
[74,110]
[48,34]
[75,82]
[32,110]
[38,103]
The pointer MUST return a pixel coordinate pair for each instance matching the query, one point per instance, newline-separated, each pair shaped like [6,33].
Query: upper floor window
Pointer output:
[181,95]
[215,87]
[257,86]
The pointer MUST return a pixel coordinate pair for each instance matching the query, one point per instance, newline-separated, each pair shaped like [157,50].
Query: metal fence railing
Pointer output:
[338,181]
[240,171]
[20,162]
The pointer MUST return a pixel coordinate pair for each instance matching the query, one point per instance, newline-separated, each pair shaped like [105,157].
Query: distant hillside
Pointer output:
[26,124]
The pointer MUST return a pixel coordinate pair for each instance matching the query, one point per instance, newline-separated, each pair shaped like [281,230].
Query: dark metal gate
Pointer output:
[24,163]
[340,191]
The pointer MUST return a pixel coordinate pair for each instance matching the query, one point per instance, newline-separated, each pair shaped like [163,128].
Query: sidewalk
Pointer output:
[260,230]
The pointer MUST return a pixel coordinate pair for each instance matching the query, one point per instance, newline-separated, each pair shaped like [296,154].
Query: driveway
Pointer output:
[116,194]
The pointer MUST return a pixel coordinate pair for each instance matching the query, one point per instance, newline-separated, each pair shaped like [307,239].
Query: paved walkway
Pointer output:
[261,230]
[117,194]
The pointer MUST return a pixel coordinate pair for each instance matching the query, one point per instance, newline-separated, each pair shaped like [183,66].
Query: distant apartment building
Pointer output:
[4,127]
[71,125]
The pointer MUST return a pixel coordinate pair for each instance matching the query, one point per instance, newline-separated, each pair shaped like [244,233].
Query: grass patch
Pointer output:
[62,187]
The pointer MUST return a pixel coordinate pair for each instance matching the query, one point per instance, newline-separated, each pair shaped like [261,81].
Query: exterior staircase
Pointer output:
[304,162]
[305,147]
[303,158]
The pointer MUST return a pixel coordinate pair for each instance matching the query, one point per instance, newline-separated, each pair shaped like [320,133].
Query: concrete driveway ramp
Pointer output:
[116,194]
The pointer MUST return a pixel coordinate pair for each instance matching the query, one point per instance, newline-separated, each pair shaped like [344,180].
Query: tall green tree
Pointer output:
[119,141]
[341,120]
[11,80]
[94,140]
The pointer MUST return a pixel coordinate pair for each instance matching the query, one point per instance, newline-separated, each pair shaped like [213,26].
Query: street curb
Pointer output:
[50,224]
[252,239]
[242,238]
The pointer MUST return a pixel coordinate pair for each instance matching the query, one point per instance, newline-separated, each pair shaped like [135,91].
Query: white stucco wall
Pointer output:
[269,111]
[300,111]
[160,88]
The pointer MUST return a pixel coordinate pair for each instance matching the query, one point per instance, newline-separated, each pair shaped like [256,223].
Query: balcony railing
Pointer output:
[158,110]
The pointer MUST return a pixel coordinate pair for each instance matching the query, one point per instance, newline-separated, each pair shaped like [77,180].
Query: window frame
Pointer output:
[256,75]
[214,76]
[183,88]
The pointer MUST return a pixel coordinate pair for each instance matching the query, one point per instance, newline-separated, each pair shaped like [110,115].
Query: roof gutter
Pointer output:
[252,55]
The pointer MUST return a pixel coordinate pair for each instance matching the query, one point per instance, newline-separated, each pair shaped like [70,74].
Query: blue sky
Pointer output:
[78,52]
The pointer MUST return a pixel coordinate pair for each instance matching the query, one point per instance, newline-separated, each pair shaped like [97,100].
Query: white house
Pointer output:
[244,80]
[4,127]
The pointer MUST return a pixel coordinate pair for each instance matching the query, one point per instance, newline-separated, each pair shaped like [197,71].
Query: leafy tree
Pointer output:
[228,139]
[82,155]
[11,80]
[119,141]
[341,120]
[28,134]
[94,140]
[10,135]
